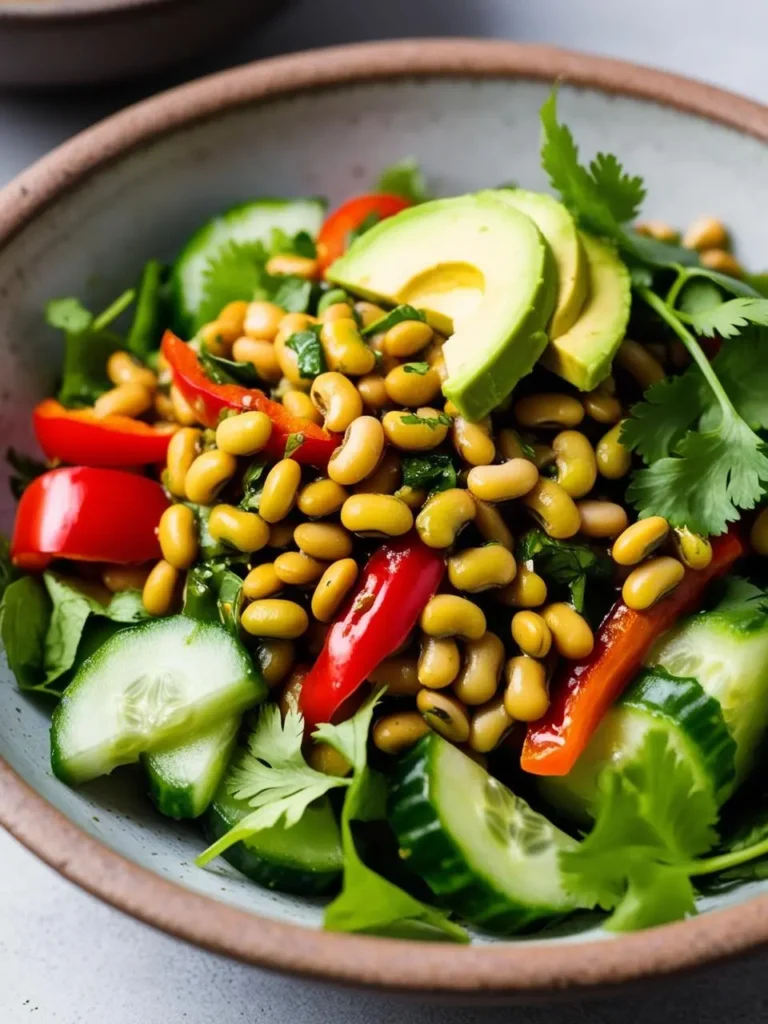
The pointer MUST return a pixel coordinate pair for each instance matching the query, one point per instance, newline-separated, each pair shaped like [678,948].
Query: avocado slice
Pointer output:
[482,272]
[559,229]
[583,355]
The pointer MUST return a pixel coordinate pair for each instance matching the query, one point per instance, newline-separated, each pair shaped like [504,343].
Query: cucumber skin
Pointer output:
[267,873]
[433,855]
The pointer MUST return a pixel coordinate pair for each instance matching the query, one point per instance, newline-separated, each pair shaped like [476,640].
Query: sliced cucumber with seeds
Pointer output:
[305,859]
[148,687]
[488,855]
[183,779]
[247,223]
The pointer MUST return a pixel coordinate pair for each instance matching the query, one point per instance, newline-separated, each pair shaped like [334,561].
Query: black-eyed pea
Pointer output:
[290,692]
[639,363]
[245,531]
[416,432]
[326,541]
[490,724]
[337,400]
[372,389]
[332,588]
[399,675]
[576,463]
[262,355]
[161,588]
[613,460]
[504,482]
[301,407]
[292,264]
[445,714]
[183,448]
[244,434]
[207,475]
[163,407]
[444,516]
[449,615]
[385,479]
[376,515]
[651,581]
[476,569]
[281,534]
[706,233]
[549,411]
[275,658]
[231,321]
[296,569]
[124,368]
[321,498]
[570,631]
[601,519]
[213,341]
[359,453]
[692,549]
[491,526]
[275,618]
[262,320]
[288,362]
[722,261]
[473,441]
[527,590]
[412,384]
[369,312]
[436,360]
[640,540]
[125,400]
[335,311]
[315,637]
[525,695]
[478,679]
[393,734]
[262,581]
[658,229]
[326,759]
[439,662]
[177,533]
[553,508]
[407,338]
[345,350]
[602,408]
[413,497]
[511,445]
[281,486]
[183,411]
[531,634]
[758,535]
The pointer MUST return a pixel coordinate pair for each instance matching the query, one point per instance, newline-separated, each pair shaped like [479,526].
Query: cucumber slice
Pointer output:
[483,850]
[148,687]
[305,859]
[249,222]
[183,779]
[656,700]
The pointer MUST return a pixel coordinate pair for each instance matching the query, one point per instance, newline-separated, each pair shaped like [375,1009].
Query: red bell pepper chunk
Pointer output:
[209,400]
[334,234]
[398,580]
[89,515]
[586,689]
[81,438]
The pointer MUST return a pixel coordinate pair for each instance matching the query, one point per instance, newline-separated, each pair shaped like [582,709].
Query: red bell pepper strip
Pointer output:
[89,515]
[209,400]
[586,689]
[398,580]
[81,438]
[334,234]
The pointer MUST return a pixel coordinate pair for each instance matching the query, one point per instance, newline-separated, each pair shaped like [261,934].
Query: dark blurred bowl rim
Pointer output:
[49,12]
[474,973]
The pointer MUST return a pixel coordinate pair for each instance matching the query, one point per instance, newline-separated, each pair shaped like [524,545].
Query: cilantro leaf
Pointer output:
[421,368]
[433,422]
[26,469]
[658,424]
[292,442]
[68,315]
[253,484]
[301,244]
[564,562]
[728,318]
[331,298]
[393,317]
[429,473]
[234,272]
[227,371]
[310,357]
[406,179]
[291,293]
[147,327]
[623,193]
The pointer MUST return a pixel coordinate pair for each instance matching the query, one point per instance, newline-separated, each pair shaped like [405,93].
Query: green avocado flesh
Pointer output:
[559,229]
[583,355]
[481,271]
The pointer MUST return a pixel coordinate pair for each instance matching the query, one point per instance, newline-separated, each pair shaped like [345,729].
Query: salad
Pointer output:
[413,551]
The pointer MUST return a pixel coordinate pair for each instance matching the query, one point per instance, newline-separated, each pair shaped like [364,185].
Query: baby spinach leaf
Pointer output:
[310,357]
[429,473]
[393,317]
[26,615]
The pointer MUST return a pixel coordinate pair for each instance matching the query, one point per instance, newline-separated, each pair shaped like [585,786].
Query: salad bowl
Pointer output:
[85,219]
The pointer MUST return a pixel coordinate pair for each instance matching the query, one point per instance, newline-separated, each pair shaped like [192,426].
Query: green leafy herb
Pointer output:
[565,562]
[7,572]
[421,368]
[729,318]
[235,272]
[227,371]
[301,244]
[393,317]
[88,345]
[147,327]
[26,614]
[433,422]
[368,222]
[759,282]
[293,441]
[331,298]
[293,294]
[253,484]
[310,357]
[25,470]
[429,473]
[406,179]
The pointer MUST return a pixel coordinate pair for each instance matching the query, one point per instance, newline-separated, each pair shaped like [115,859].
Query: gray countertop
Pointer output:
[66,958]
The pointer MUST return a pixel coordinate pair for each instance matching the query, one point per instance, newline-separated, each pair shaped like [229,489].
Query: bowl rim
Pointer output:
[474,972]
[52,12]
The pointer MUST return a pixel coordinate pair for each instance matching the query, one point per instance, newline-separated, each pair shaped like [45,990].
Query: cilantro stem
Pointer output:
[670,317]
[121,303]
[727,860]
[677,287]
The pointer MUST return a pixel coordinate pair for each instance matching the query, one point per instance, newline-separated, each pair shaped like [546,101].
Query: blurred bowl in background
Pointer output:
[79,42]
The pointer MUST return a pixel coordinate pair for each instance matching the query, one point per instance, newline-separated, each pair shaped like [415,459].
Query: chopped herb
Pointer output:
[406,179]
[235,272]
[293,294]
[147,327]
[26,469]
[393,317]
[421,368]
[226,371]
[565,562]
[301,244]
[331,298]
[253,484]
[293,441]
[429,473]
[310,357]
[433,422]
[368,222]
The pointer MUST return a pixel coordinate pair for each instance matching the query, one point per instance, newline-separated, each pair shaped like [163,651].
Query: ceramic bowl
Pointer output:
[84,219]
[76,42]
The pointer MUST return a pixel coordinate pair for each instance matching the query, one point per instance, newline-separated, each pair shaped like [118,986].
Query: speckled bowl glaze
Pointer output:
[85,218]
[75,42]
